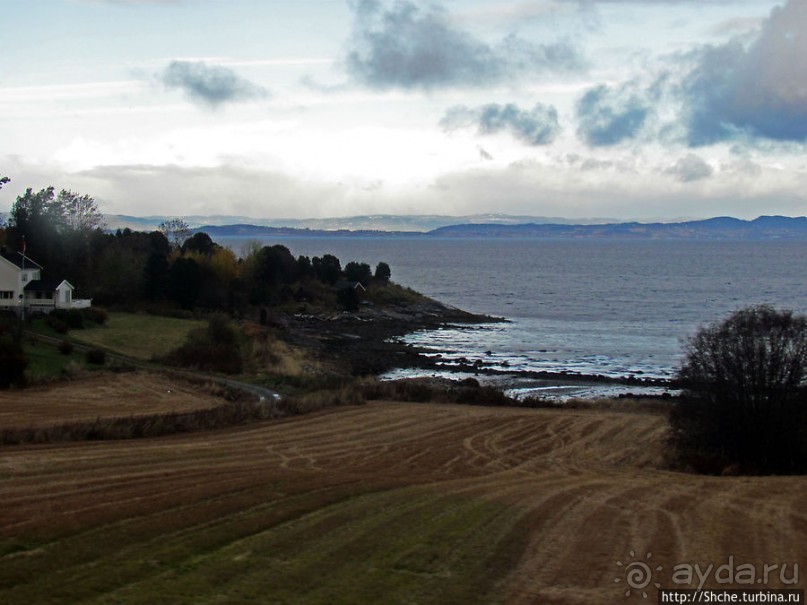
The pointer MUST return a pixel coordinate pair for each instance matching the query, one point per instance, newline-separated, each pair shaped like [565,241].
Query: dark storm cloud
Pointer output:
[609,116]
[404,46]
[755,91]
[209,85]
[537,126]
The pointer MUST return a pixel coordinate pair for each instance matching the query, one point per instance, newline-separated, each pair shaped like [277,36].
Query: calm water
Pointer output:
[617,308]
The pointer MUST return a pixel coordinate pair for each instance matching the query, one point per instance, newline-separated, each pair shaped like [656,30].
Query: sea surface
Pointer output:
[614,308]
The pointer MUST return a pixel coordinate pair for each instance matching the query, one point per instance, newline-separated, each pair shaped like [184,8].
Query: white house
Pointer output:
[22,288]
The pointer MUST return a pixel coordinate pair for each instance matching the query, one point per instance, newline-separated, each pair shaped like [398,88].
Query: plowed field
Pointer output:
[101,396]
[385,503]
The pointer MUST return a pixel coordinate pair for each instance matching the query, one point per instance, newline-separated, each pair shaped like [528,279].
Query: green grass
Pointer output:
[138,335]
[410,545]
[45,362]
[393,294]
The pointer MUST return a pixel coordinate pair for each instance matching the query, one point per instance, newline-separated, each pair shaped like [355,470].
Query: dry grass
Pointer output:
[382,503]
[102,396]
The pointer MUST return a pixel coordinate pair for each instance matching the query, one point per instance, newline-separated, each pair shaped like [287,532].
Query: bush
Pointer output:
[744,402]
[212,349]
[96,315]
[422,390]
[74,318]
[56,324]
[65,347]
[96,356]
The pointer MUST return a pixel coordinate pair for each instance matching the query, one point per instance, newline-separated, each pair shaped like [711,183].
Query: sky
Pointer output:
[621,109]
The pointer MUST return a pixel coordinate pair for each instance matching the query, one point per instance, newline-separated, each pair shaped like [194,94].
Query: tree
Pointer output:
[155,276]
[185,282]
[80,212]
[3,181]
[12,357]
[745,401]
[328,269]
[270,267]
[359,272]
[383,272]
[176,231]
[35,222]
[34,217]
[199,242]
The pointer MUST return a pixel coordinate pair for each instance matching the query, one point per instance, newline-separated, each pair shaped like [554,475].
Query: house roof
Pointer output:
[349,285]
[16,259]
[45,285]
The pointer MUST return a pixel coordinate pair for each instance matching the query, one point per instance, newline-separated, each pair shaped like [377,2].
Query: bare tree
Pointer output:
[745,399]
[176,231]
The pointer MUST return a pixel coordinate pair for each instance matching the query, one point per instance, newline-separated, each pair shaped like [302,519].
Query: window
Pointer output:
[6,295]
[24,277]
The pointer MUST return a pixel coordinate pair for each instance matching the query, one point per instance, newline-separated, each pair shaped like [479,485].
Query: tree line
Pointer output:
[65,233]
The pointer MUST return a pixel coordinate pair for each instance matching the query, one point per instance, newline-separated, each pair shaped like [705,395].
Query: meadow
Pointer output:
[139,336]
[380,503]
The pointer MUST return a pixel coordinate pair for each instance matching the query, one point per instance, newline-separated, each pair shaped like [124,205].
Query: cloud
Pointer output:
[509,12]
[129,2]
[408,47]
[609,116]
[538,126]
[177,190]
[209,85]
[690,168]
[756,91]
[737,24]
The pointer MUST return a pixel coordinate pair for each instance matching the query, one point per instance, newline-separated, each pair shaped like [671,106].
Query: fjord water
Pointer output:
[611,307]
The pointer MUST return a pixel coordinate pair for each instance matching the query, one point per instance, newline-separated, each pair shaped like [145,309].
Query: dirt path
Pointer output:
[381,503]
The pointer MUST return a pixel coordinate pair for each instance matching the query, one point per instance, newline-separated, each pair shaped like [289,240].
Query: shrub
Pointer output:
[421,390]
[74,318]
[96,356]
[56,324]
[65,347]
[212,349]
[744,400]
[318,400]
[96,315]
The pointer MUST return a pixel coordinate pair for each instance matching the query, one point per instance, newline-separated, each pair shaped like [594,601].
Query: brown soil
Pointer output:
[101,396]
[587,485]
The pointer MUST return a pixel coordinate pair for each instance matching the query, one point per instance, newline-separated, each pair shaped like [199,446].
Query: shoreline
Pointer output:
[371,342]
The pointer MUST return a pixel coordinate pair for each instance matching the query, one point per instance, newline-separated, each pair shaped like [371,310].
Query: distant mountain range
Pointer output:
[479,226]
[721,228]
[378,222]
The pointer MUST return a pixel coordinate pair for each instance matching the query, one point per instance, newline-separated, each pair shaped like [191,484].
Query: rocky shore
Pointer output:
[365,342]
[369,342]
